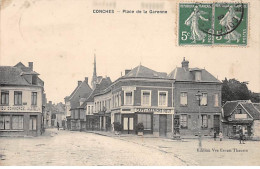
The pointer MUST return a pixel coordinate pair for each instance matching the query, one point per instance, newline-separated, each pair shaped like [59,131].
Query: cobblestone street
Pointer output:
[80,148]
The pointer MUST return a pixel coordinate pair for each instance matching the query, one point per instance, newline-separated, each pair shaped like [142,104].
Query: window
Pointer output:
[204,121]
[184,99]
[234,129]
[146,119]
[18,98]
[146,98]
[5,122]
[128,98]
[34,98]
[204,99]
[197,76]
[17,122]
[216,100]
[32,123]
[4,97]
[184,121]
[88,109]
[117,117]
[239,111]
[162,100]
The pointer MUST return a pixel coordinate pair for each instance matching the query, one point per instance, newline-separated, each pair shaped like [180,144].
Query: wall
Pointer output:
[26,99]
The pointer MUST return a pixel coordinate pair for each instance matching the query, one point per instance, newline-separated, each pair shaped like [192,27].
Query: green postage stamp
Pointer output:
[213,24]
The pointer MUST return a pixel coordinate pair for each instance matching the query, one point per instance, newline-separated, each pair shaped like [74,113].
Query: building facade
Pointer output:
[241,114]
[197,101]
[143,96]
[21,109]
[74,116]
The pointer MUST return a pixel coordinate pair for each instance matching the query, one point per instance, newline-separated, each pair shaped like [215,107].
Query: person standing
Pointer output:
[220,136]
[58,126]
[215,135]
[240,135]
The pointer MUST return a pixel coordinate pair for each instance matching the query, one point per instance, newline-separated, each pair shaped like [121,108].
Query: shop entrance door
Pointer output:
[128,124]
[216,123]
[162,125]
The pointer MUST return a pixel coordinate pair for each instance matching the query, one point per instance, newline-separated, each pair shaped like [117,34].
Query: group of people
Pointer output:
[242,136]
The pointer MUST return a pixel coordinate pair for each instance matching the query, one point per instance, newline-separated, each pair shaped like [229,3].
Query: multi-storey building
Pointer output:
[197,100]
[21,104]
[72,103]
[143,96]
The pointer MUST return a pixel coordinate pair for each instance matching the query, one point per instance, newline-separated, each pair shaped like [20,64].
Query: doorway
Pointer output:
[128,124]
[162,125]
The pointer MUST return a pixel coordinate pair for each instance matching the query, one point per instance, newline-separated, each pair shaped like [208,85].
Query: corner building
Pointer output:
[143,95]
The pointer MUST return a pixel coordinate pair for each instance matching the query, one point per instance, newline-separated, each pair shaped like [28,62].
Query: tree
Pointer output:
[233,89]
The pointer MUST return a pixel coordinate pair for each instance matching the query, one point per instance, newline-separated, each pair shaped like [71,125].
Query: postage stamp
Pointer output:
[213,24]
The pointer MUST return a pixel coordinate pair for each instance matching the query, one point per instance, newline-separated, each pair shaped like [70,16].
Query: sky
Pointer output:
[62,36]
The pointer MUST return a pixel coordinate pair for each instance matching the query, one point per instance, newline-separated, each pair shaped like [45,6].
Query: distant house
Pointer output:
[241,113]
[72,103]
[22,100]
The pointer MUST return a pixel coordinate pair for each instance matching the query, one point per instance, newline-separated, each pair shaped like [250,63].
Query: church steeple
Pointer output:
[94,77]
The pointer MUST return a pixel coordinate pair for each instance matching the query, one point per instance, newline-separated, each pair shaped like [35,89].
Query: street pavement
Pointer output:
[105,149]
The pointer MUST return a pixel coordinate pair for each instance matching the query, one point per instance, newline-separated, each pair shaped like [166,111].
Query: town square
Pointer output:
[129,83]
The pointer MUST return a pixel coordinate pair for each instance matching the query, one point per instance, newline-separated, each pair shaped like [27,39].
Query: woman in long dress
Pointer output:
[227,22]
[192,21]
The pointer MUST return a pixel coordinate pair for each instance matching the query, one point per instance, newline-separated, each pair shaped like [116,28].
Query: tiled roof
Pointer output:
[142,71]
[257,106]
[26,70]
[104,83]
[181,74]
[230,106]
[252,110]
[11,76]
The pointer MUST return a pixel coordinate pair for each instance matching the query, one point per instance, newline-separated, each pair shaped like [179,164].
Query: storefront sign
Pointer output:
[20,108]
[240,116]
[154,110]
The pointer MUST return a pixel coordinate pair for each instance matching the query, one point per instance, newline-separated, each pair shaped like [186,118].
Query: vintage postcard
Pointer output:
[129,83]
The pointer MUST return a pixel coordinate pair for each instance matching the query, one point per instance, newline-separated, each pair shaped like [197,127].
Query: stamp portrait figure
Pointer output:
[227,22]
[193,22]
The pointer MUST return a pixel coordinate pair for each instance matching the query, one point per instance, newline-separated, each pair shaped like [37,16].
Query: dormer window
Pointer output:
[198,76]
[34,80]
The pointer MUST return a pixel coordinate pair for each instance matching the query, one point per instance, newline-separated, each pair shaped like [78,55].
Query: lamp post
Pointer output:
[199,95]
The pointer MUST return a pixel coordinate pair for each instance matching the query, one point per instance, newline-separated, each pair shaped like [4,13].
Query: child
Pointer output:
[220,135]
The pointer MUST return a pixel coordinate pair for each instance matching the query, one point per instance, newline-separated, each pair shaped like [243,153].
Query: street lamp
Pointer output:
[199,95]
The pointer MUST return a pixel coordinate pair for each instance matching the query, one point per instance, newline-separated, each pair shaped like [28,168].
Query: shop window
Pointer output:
[33,123]
[146,98]
[204,99]
[146,119]
[183,121]
[4,97]
[162,98]
[216,102]
[18,98]
[17,122]
[5,122]
[128,98]
[34,98]
[204,121]
[184,99]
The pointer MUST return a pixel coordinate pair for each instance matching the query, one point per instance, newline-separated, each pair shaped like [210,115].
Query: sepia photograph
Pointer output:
[129,83]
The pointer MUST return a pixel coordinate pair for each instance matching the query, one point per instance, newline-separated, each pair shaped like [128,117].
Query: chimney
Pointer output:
[79,82]
[127,71]
[185,64]
[86,80]
[30,65]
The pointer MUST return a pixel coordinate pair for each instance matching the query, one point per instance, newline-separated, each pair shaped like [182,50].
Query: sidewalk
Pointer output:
[112,134]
